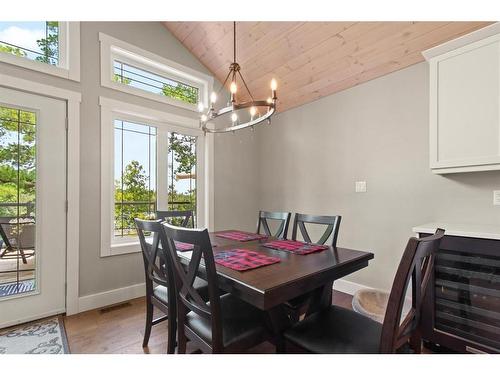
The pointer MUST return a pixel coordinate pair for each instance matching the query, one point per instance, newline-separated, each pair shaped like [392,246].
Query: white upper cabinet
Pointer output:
[465,103]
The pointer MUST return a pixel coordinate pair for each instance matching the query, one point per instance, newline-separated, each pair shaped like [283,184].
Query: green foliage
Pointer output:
[139,200]
[121,79]
[182,92]
[12,50]
[17,158]
[181,145]
[133,190]
[50,45]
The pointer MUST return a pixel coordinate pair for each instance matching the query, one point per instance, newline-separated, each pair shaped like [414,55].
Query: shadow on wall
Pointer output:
[474,179]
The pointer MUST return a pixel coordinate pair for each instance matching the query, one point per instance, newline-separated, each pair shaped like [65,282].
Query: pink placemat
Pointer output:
[296,247]
[243,259]
[241,236]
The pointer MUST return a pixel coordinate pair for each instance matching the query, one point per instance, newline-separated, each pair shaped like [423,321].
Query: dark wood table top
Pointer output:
[294,275]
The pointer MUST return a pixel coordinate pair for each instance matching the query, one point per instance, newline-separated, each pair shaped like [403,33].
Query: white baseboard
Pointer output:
[111,297]
[348,287]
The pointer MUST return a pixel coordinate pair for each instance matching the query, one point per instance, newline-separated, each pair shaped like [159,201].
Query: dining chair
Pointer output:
[187,217]
[332,227]
[339,330]
[298,306]
[160,284]
[224,323]
[282,217]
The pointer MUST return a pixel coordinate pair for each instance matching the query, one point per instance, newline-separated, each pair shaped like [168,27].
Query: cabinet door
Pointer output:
[465,114]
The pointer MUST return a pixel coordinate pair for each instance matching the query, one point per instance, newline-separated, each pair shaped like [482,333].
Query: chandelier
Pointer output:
[258,110]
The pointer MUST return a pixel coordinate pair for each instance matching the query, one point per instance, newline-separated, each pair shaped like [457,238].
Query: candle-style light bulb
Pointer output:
[234,117]
[269,100]
[203,118]
[253,111]
[274,84]
[213,97]
[201,107]
[233,88]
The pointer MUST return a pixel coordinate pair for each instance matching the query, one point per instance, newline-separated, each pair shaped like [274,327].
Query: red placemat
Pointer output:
[243,259]
[296,247]
[241,236]
[182,246]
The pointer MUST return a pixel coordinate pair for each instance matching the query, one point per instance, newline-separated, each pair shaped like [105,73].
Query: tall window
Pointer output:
[182,173]
[135,175]
[150,160]
[154,83]
[38,41]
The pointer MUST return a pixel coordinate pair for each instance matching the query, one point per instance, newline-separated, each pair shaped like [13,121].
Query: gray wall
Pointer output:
[236,181]
[377,132]
[101,274]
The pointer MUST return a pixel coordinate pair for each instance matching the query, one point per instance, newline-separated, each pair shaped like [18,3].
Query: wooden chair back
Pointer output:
[157,267]
[417,265]
[282,217]
[187,217]
[332,227]
[201,264]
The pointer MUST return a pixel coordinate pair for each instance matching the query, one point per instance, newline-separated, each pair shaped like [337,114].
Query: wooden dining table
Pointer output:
[268,287]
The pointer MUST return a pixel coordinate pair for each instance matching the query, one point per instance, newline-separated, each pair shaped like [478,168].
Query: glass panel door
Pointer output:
[17,201]
[32,206]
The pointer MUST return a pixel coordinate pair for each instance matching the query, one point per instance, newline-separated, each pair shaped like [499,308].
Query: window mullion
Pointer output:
[162,168]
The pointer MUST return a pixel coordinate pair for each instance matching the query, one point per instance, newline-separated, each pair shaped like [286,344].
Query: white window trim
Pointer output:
[112,109]
[69,52]
[112,48]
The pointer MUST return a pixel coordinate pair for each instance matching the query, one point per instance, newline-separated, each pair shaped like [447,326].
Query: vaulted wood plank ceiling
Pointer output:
[313,59]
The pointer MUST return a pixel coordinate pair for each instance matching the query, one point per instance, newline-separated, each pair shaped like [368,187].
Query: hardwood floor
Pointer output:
[120,329]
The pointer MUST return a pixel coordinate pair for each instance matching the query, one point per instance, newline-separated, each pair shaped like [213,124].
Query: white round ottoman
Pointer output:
[373,303]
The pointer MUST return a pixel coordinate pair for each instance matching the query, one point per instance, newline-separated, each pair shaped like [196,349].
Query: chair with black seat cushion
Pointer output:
[186,217]
[298,306]
[282,217]
[224,324]
[160,284]
[339,330]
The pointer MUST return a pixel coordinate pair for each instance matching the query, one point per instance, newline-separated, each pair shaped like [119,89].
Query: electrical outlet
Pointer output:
[496,197]
[360,187]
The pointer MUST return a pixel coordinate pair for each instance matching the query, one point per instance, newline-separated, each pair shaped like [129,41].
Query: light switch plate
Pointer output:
[496,197]
[360,187]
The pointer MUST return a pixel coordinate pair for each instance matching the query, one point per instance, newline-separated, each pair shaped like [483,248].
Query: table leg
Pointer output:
[321,298]
[279,322]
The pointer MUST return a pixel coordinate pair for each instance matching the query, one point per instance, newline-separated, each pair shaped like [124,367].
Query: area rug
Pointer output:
[46,336]
[10,289]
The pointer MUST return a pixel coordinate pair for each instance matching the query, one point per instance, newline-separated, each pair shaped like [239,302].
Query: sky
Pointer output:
[22,34]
